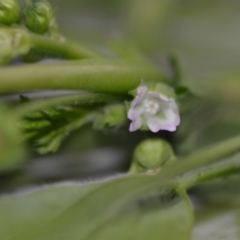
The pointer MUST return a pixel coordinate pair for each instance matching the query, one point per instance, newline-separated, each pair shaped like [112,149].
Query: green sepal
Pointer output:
[161,88]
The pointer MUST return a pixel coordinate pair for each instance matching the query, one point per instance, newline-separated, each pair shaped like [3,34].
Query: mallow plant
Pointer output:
[153,199]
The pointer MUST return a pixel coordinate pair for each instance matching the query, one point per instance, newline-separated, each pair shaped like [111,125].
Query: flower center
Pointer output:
[151,107]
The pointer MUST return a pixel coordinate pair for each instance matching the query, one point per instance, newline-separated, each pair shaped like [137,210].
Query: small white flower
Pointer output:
[155,108]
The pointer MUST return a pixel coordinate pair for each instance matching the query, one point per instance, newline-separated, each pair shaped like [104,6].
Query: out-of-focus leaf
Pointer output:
[12,151]
[221,223]
[153,219]
[219,210]
[96,211]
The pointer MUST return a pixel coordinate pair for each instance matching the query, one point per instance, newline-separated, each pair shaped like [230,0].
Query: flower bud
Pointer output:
[150,155]
[9,12]
[39,16]
[113,116]
[13,42]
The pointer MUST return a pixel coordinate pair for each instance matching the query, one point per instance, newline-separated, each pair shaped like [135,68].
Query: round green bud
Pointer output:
[13,42]
[151,154]
[39,16]
[9,12]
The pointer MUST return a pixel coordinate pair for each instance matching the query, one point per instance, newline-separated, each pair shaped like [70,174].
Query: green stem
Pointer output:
[226,167]
[77,99]
[202,157]
[65,49]
[108,76]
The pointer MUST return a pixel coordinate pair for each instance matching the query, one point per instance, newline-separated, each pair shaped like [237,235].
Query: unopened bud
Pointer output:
[39,16]
[113,116]
[9,12]
[13,42]
[151,155]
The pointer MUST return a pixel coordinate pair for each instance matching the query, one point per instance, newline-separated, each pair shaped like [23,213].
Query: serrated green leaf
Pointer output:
[96,211]
[34,124]
[46,129]
[50,142]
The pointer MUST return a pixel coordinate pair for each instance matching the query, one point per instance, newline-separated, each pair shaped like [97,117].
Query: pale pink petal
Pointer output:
[131,115]
[172,114]
[141,92]
[156,124]
[135,125]
[169,119]
[159,96]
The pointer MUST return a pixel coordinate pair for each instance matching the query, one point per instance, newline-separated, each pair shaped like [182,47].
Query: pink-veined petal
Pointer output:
[171,113]
[166,118]
[156,124]
[159,96]
[141,92]
[135,125]
[131,115]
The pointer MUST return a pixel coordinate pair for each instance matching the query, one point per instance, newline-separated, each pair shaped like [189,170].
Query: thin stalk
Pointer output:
[226,167]
[77,99]
[107,76]
[65,49]
[202,157]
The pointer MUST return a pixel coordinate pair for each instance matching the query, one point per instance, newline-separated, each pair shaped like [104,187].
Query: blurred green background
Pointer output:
[204,35]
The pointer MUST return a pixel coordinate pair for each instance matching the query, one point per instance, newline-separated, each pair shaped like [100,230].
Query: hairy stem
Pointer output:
[204,156]
[107,76]
[230,166]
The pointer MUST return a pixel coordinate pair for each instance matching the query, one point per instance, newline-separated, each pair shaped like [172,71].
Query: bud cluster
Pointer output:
[38,15]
